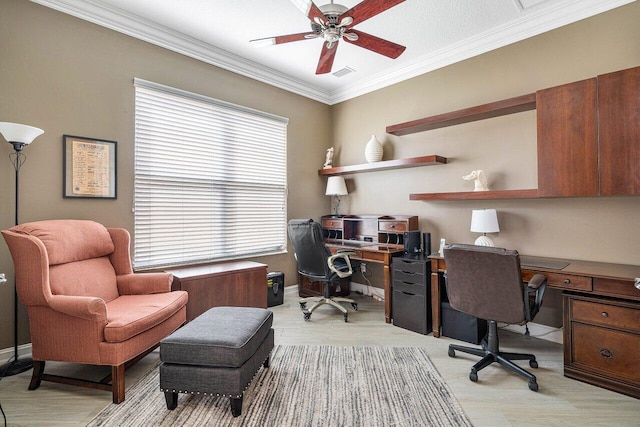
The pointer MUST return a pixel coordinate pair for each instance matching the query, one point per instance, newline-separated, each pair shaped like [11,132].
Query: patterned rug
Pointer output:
[310,386]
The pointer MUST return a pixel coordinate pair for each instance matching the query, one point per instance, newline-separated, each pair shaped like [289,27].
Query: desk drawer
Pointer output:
[618,288]
[567,281]
[606,315]
[392,226]
[408,277]
[409,288]
[335,224]
[410,266]
[609,352]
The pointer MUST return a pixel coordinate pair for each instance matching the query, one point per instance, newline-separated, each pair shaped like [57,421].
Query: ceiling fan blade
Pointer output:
[283,39]
[369,8]
[312,11]
[326,58]
[376,44]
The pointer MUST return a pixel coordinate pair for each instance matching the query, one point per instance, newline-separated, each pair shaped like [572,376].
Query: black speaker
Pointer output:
[426,243]
[411,242]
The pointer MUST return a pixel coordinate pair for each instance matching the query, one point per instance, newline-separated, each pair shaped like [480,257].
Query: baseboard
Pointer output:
[7,353]
[537,330]
[370,291]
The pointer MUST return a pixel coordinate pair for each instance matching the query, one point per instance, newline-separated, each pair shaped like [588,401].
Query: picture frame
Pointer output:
[90,168]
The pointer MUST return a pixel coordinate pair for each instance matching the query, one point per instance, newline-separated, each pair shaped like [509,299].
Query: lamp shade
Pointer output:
[15,132]
[336,186]
[484,221]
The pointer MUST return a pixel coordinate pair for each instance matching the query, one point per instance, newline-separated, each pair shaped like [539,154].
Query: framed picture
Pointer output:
[89,168]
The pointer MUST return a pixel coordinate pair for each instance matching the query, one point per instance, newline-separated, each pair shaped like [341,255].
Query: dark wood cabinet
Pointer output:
[238,283]
[567,140]
[385,230]
[619,132]
[602,342]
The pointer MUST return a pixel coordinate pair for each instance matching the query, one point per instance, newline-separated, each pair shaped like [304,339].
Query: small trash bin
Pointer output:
[275,288]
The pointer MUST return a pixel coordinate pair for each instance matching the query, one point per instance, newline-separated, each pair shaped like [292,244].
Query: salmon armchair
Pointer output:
[85,304]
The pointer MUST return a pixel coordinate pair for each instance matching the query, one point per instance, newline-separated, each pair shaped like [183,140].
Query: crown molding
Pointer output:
[115,19]
[532,24]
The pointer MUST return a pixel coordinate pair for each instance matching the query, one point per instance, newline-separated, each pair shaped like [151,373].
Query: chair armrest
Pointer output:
[88,308]
[534,290]
[344,255]
[144,283]
[536,281]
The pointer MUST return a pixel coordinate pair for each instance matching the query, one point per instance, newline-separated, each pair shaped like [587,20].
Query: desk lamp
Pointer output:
[19,136]
[336,187]
[484,221]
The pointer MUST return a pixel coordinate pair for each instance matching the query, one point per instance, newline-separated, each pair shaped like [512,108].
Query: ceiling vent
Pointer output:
[344,72]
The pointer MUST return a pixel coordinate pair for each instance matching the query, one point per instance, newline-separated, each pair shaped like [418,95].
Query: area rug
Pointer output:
[310,386]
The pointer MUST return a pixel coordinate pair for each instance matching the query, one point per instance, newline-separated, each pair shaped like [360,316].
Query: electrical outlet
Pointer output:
[363,267]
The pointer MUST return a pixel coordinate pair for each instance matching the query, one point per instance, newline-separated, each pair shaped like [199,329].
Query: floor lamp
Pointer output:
[17,135]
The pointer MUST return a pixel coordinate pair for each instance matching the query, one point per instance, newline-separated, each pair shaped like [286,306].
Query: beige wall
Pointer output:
[596,229]
[68,76]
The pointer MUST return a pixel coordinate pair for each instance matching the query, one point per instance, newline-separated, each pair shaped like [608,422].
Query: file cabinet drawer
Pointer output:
[410,266]
[606,315]
[410,288]
[605,351]
[403,276]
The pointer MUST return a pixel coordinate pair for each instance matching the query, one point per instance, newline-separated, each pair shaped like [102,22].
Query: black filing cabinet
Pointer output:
[411,299]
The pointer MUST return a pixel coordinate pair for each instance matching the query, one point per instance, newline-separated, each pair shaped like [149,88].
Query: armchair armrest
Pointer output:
[536,281]
[341,255]
[88,308]
[144,283]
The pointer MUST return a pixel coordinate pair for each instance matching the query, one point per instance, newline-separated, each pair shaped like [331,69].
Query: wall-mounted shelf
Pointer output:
[478,195]
[385,165]
[480,112]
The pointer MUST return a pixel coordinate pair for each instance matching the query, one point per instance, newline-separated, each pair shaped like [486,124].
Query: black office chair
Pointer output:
[316,262]
[486,282]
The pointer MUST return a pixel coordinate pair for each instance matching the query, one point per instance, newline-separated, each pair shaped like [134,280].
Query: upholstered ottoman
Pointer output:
[217,353]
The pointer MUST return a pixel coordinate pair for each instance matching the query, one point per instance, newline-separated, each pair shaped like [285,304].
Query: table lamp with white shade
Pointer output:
[336,187]
[484,221]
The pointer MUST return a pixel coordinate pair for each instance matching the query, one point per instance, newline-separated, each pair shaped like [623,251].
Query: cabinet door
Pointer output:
[619,132]
[567,140]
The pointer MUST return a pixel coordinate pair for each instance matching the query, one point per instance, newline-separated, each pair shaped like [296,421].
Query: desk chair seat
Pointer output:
[316,262]
[486,282]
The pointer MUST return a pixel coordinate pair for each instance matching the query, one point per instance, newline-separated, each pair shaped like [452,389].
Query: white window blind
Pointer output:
[210,179]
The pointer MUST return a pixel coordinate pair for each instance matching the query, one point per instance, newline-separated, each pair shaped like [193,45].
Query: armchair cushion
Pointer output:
[68,241]
[130,315]
[90,277]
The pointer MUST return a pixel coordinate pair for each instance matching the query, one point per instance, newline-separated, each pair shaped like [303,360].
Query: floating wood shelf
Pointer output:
[385,165]
[478,195]
[480,112]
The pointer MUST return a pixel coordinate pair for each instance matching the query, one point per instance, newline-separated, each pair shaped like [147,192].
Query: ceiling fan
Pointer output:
[335,22]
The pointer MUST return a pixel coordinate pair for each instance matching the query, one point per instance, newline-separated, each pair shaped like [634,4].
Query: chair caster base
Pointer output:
[533,386]
[354,305]
[303,305]
[346,317]
[533,364]
[473,376]
[307,315]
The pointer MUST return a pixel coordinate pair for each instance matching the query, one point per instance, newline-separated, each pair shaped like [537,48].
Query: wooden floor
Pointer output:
[499,398]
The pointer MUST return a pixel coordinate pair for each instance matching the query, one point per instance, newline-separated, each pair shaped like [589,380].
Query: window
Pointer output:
[210,179]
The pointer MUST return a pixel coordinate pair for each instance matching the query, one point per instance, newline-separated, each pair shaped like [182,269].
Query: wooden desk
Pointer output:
[601,318]
[372,252]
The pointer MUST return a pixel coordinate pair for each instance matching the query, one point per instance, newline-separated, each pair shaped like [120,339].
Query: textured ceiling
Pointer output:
[436,33]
